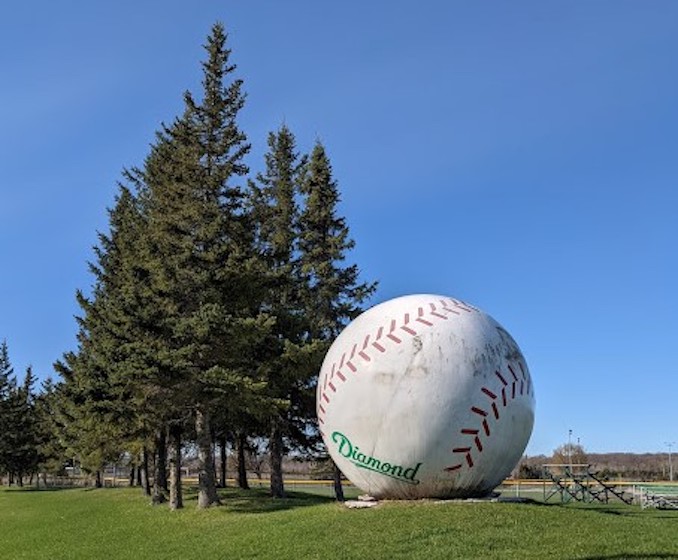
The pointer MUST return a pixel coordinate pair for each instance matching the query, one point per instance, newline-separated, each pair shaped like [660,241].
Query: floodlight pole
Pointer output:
[670,444]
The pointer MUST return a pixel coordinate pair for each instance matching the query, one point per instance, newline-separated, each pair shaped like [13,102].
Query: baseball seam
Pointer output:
[510,387]
[389,335]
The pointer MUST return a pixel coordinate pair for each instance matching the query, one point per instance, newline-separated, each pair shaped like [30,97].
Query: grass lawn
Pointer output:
[119,524]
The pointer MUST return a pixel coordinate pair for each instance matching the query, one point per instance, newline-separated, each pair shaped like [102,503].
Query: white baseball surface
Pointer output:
[425,396]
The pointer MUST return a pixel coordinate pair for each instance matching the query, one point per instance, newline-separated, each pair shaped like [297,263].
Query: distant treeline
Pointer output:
[624,466]
[215,294]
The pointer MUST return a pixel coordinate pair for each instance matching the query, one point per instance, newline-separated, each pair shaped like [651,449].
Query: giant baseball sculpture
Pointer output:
[425,396]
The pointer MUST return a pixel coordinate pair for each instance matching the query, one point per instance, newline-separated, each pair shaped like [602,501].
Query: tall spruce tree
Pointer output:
[274,200]
[7,388]
[24,431]
[101,418]
[18,426]
[333,292]
[199,249]
[133,321]
[51,448]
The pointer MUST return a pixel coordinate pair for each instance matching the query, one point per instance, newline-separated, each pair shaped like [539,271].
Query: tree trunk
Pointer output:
[175,494]
[207,487]
[162,459]
[276,455]
[338,488]
[97,480]
[160,468]
[145,483]
[241,443]
[222,461]
[132,475]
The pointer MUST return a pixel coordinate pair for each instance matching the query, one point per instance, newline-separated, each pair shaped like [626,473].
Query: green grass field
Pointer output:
[120,524]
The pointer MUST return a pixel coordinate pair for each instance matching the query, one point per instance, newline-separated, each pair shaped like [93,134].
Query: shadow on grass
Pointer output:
[258,500]
[632,511]
[631,556]
[44,489]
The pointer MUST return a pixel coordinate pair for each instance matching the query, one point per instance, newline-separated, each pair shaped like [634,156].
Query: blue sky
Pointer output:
[518,155]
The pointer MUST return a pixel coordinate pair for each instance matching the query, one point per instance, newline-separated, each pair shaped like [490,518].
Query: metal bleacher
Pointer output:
[658,496]
[580,483]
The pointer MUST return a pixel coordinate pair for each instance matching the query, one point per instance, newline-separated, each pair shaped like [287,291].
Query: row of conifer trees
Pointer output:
[215,295]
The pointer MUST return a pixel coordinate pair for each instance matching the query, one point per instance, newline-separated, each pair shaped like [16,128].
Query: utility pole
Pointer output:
[670,444]
[569,448]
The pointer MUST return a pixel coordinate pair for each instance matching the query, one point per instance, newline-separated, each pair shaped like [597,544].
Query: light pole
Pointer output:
[670,444]
[569,449]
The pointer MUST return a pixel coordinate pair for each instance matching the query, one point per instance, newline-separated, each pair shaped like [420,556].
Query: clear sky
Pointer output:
[521,156]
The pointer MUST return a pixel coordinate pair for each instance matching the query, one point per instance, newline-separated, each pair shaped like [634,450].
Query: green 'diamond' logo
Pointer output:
[359,459]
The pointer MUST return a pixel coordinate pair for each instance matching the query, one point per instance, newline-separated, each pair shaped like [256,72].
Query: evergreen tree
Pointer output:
[6,372]
[291,358]
[7,388]
[24,431]
[50,447]
[199,254]
[97,405]
[333,293]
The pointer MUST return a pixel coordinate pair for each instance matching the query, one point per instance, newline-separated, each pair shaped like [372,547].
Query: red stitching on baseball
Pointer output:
[421,319]
[475,433]
[501,378]
[376,343]
[448,309]
[488,393]
[435,313]
[463,306]
[391,335]
[348,358]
